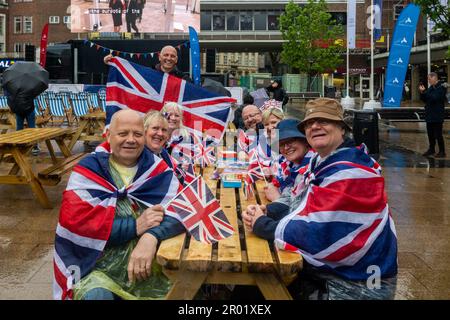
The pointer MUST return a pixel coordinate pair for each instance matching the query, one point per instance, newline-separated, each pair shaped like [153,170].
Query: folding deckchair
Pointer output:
[93,101]
[65,98]
[57,110]
[4,102]
[79,103]
[102,98]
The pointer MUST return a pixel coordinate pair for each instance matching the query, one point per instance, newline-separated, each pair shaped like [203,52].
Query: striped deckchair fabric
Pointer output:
[102,98]
[93,100]
[57,110]
[79,103]
[4,102]
[66,101]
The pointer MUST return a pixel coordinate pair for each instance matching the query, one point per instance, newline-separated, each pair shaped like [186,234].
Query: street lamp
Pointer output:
[371,104]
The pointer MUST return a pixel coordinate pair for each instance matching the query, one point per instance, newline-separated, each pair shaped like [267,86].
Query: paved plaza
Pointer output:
[417,190]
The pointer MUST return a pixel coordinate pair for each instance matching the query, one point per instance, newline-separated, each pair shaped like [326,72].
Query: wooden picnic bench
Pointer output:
[241,259]
[90,128]
[19,143]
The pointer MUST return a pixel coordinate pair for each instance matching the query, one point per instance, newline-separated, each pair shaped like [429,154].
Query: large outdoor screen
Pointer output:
[137,16]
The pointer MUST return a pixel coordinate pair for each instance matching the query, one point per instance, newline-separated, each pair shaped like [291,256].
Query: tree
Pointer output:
[310,37]
[438,13]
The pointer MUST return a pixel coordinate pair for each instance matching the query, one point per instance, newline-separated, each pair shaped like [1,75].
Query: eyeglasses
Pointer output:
[250,116]
[287,143]
[320,122]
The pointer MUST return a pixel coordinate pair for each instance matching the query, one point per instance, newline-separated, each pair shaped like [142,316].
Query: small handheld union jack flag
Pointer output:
[200,212]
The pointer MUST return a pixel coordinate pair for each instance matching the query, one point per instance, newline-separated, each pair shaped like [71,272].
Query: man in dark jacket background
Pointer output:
[278,93]
[435,99]
[22,105]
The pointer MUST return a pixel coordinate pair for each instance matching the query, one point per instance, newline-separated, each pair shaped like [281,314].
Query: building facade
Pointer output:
[26,18]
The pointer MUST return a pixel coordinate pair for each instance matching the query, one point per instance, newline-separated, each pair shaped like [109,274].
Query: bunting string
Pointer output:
[125,54]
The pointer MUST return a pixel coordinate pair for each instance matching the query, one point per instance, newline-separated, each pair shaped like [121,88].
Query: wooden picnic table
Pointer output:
[7,120]
[19,143]
[90,128]
[241,259]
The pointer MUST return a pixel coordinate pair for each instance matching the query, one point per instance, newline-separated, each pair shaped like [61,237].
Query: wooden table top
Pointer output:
[32,135]
[253,254]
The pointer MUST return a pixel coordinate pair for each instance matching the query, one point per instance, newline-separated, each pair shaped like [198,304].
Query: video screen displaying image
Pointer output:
[137,16]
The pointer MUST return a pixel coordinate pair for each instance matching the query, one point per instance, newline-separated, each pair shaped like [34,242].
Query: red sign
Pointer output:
[44,41]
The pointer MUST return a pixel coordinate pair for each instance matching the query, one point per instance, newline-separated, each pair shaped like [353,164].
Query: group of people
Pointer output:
[133,10]
[327,203]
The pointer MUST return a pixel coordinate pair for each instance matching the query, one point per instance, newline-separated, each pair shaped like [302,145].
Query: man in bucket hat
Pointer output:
[338,201]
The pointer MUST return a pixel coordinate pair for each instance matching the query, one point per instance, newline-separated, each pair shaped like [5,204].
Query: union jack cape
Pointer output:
[343,223]
[140,88]
[88,209]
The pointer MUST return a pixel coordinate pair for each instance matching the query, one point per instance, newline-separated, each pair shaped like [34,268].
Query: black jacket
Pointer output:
[175,72]
[435,99]
[21,104]
[279,94]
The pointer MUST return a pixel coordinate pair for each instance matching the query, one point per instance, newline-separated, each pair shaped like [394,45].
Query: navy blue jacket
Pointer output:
[435,99]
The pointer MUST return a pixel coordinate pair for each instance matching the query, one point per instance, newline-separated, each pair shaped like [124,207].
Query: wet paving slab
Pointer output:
[416,187]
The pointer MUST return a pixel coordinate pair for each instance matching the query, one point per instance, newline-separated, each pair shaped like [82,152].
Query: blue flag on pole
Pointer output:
[378,9]
[195,55]
[399,55]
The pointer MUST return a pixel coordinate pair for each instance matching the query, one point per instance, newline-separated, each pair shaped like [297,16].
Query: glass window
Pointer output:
[27,24]
[218,20]
[272,21]
[66,19]
[17,25]
[233,20]
[260,21]
[18,47]
[246,20]
[53,19]
[205,20]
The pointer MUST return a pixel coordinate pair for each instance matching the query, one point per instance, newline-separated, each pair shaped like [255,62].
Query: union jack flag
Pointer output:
[200,212]
[140,88]
[205,154]
[342,223]
[88,208]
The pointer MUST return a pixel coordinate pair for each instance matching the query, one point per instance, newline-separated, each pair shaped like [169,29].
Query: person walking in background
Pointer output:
[434,98]
[131,14]
[141,4]
[117,6]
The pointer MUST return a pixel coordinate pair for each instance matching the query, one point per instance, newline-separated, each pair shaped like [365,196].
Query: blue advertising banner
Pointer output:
[399,55]
[195,55]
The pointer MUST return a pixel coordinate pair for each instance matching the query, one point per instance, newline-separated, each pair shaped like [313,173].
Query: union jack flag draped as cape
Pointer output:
[343,224]
[88,209]
[201,212]
[140,88]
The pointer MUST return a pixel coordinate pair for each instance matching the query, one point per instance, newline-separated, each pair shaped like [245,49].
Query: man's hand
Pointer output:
[107,58]
[272,193]
[140,264]
[150,218]
[251,214]
[422,88]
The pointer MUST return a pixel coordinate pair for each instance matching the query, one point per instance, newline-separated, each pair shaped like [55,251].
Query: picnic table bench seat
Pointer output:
[52,175]
[303,95]
[241,259]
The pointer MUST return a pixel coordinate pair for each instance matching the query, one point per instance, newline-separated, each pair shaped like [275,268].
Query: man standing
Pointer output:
[435,99]
[131,14]
[112,217]
[168,59]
